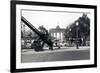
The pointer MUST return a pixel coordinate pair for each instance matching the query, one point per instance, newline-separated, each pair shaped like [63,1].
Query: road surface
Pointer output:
[63,54]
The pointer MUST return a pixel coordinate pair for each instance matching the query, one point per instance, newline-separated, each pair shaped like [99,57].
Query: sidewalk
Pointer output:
[31,51]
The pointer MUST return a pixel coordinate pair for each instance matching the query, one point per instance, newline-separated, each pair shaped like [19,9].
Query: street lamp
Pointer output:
[70,35]
[70,29]
[77,24]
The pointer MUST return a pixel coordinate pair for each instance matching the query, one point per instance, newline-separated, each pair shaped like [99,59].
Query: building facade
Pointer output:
[57,33]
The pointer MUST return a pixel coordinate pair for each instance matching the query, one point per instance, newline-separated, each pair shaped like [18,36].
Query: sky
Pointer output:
[50,19]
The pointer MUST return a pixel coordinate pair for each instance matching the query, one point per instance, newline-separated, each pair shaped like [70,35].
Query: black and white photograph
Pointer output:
[54,35]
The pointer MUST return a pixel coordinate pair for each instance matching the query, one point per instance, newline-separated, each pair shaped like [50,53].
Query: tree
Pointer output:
[84,22]
[83,29]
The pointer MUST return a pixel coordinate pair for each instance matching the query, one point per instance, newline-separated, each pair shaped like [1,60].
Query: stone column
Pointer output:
[53,34]
[56,35]
[60,35]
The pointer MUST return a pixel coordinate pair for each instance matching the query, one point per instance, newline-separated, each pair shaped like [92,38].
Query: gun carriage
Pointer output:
[43,38]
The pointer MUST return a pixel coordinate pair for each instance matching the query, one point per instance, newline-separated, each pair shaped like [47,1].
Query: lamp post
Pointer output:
[77,41]
[70,29]
[70,35]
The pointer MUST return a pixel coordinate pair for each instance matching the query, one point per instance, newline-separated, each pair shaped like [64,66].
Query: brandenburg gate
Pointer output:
[57,33]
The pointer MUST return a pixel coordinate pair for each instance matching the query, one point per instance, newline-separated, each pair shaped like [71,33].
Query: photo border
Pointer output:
[13,35]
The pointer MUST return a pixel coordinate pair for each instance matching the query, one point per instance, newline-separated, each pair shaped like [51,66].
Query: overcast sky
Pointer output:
[50,19]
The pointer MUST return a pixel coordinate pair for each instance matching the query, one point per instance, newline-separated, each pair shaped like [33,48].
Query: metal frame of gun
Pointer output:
[42,37]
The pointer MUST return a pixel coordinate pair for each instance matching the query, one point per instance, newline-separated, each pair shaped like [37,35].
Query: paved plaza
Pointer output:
[62,54]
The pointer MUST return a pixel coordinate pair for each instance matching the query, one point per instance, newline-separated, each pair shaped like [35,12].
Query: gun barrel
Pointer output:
[36,31]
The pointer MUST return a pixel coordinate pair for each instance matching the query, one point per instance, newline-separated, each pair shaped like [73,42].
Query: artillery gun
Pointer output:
[43,37]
